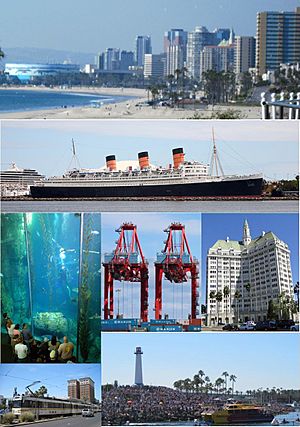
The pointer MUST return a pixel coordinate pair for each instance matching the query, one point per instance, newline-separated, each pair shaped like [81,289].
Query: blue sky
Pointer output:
[258,360]
[244,146]
[219,226]
[53,376]
[150,226]
[94,25]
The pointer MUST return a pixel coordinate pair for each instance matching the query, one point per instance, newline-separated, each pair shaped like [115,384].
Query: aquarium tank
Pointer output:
[50,277]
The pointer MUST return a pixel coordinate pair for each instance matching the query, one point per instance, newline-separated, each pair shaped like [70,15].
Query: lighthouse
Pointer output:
[138,378]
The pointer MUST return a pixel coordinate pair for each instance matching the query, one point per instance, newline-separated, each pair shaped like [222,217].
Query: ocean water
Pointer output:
[50,277]
[266,206]
[27,100]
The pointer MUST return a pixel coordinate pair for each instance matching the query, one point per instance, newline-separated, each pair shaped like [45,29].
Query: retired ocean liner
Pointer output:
[141,179]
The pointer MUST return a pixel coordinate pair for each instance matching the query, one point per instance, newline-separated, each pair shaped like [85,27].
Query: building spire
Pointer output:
[246,233]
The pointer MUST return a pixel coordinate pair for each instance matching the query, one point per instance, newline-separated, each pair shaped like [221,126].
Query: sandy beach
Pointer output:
[129,109]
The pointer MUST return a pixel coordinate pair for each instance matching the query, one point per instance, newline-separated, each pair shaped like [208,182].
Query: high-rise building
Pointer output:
[87,389]
[127,60]
[138,377]
[195,43]
[73,389]
[175,43]
[99,61]
[221,34]
[242,277]
[244,54]
[142,47]
[112,59]
[217,58]
[277,39]
[154,65]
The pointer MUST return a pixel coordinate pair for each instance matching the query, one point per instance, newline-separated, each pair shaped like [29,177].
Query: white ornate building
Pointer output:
[247,274]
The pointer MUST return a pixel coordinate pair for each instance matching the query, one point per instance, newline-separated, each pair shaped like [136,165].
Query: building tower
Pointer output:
[142,46]
[175,42]
[138,378]
[73,389]
[87,389]
[246,233]
[277,35]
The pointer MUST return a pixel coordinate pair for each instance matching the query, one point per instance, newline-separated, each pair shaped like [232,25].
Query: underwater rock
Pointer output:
[54,322]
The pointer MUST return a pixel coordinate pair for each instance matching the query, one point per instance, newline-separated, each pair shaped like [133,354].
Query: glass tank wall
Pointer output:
[51,277]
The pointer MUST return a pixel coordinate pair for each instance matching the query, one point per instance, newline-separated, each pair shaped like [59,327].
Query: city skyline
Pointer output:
[169,357]
[268,147]
[55,22]
[53,376]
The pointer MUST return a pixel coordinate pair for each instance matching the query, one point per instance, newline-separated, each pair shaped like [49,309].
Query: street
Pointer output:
[76,421]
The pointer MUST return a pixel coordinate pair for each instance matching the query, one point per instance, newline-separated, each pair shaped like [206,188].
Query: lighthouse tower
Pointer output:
[138,379]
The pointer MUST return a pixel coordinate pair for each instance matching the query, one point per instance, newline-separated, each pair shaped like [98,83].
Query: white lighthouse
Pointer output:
[138,379]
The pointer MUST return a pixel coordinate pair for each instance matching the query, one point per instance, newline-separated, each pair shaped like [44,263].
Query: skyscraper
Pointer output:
[154,65]
[138,378]
[195,43]
[175,43]
[277,35]
[87,389]
[244,54]
[142,47]
[127,60]
[242,277]
[73,389]
[112,59]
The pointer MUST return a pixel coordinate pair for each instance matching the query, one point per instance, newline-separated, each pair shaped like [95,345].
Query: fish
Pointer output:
[75,290]
[94,232]
[1,275]
[91,252]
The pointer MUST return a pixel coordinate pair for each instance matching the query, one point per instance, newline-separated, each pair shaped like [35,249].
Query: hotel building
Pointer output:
[277,35]
[246,274]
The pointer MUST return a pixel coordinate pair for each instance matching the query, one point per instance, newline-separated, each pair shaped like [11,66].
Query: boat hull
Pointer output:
[244,187]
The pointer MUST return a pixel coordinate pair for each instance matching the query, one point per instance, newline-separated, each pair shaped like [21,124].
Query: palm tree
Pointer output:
[201,374]
[232,378]
[218,383]
[219,298]
[212,295]
[237,296]
[196,382]
[226,293]
[225,375]
[187,384]
[248,289]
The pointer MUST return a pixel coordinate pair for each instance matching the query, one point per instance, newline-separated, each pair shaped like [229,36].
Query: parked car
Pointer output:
[247,326]
[87,412]
[285,324]
[230,327]
[266,325]
[294,328]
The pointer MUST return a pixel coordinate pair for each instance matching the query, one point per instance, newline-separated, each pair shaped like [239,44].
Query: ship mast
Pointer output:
[215,164]
[74,163]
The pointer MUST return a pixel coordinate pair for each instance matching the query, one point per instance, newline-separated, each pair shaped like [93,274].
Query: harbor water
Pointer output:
[50,277]
[249,206]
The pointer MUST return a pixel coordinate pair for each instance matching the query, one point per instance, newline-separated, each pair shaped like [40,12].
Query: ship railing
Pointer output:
[279,107]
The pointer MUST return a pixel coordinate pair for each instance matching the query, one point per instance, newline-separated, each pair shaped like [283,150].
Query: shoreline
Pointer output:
[129,109]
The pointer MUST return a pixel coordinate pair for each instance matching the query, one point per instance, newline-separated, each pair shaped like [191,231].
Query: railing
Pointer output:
[281,108]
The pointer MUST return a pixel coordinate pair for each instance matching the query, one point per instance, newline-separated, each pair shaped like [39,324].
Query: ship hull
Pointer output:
[245,187]
[244,419]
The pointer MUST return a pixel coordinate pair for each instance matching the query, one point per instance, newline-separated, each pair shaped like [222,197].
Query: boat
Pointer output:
[140,179]
[16,181]
[239,413]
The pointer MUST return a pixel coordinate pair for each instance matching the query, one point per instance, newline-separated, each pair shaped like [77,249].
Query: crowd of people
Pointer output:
[26,349]
[126,404]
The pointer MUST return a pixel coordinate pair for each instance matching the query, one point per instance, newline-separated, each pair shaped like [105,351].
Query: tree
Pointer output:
[272,313]
[1,53]
[41,391]
[232,378]
[226,293]
[238,296]
[225,375]
[219,298]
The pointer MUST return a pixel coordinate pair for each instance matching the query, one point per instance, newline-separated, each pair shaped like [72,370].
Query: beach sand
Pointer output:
[129,109]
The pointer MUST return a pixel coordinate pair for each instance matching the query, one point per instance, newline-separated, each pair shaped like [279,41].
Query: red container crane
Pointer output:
[127,263]
[175,262]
